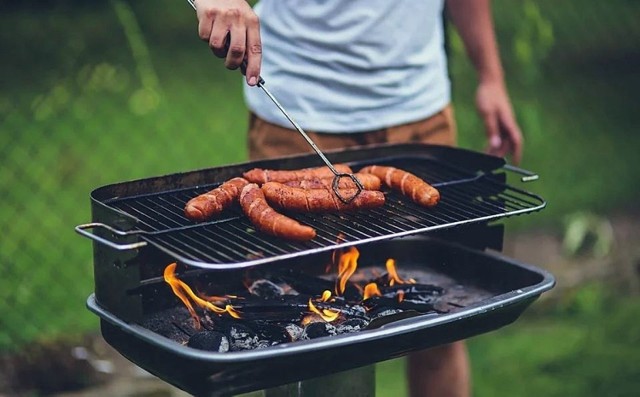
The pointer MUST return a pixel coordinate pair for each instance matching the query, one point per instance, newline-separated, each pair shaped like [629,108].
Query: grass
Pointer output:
[585,346]
[82,106]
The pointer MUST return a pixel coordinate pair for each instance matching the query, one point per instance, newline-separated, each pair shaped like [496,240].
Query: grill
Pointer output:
[139,228]
[469,195]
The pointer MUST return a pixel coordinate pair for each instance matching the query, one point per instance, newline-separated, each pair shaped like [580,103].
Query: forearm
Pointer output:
[474,23]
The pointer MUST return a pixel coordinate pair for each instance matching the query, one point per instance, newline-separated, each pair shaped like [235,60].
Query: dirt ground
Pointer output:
[110,374]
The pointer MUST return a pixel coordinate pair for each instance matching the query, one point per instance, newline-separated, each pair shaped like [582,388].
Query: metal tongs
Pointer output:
[337,175]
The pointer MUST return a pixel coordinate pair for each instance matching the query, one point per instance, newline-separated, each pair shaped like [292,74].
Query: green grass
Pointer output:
[78,110]
[587,345]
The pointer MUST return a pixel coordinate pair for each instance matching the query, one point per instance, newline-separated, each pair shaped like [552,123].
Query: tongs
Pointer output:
[337,175]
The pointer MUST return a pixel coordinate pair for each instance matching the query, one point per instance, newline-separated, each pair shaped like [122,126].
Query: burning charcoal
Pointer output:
[294,331]
[311,285]
[408,303]
[242,337]
[209,340]
[352,325]
[318,329]
[265,289]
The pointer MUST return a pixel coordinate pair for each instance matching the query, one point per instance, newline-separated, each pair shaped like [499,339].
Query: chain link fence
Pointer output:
[113,91]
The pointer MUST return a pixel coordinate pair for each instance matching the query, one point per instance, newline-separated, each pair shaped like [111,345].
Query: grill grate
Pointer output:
[232,242]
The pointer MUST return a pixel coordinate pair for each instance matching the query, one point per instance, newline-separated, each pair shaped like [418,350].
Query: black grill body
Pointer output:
[505,287]
[140,228]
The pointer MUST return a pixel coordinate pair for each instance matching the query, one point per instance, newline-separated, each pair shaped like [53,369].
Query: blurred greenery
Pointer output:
[96,93]
[588,345]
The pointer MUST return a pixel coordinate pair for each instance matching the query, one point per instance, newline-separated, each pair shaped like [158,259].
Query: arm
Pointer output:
[473,21]
[218,19]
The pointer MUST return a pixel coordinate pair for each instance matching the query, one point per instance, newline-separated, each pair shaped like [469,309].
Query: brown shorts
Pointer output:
[268,140]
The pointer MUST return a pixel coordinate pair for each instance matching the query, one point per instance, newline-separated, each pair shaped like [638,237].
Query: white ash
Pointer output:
[294,331]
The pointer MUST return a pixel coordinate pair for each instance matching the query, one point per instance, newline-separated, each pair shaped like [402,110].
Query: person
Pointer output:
[361,72]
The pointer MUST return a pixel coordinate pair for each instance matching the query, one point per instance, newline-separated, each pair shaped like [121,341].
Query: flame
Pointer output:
[400,296]
[348,263]
[184,292]
[334,254]
[370,290]
[393,274]
[326,314]
[326,295]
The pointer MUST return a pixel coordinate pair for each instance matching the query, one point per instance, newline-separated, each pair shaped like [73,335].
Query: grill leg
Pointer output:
[359,382]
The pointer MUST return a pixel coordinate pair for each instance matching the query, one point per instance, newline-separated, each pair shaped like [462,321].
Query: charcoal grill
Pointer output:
[139,227]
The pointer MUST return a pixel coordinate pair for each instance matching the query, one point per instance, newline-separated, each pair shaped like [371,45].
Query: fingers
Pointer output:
[492,129]
[254,51]
[232,30]
[512,134]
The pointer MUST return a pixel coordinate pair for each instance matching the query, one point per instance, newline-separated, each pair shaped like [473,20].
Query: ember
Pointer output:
[292,305]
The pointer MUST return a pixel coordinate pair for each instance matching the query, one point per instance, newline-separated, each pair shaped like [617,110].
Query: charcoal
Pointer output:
[383,312]
[423,305]
[209,340]
[317,330]
[315,286]
[415,289]
[272,332]
[294,331]
[265,289]
[242,337]
[351,325]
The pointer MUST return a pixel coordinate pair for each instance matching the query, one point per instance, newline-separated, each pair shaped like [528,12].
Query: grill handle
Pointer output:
[83,230]
[528,176]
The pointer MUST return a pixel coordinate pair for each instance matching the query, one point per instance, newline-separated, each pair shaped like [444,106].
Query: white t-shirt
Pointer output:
[351,65]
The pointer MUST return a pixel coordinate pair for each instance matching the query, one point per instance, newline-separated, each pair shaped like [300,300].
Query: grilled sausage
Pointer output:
[260,176]
[368,181]
[319,200]
[410,185]
[214,201]
[267,220]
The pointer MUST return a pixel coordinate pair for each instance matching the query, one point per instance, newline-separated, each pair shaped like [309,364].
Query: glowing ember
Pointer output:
[346,267]
[370,290]
[184,292]
[393,274]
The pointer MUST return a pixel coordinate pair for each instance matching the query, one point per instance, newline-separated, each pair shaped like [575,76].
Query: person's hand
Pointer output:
[234,21]
[503,134]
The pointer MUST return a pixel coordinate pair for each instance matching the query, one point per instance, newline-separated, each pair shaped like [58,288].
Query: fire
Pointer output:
[184,292]
[393,274]
[370,290]
[327,315]
[348,263]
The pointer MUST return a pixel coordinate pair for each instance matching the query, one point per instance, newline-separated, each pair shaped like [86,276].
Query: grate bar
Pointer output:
[231,241]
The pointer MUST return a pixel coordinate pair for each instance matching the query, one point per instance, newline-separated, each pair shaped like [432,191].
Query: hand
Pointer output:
[503,134]
[220,21]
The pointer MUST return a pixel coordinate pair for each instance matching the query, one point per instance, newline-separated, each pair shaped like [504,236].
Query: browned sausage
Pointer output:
[267,220]
[260,176]
[214,201]
[368,181]
[319,200]
[410,185]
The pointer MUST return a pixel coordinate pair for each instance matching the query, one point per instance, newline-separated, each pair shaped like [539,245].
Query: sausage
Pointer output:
[260,176]
[319,200]
[410,185]
[267,220]
[368,181]
[214,201]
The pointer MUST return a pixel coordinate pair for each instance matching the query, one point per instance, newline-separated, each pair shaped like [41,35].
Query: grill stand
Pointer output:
[359,382]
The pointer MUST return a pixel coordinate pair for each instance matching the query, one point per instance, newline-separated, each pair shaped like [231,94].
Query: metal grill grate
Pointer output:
[232,242]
